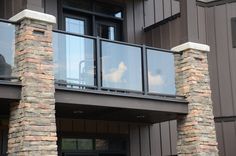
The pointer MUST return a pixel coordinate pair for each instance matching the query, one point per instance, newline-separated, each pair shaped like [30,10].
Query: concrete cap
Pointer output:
[33,15]
[191,45]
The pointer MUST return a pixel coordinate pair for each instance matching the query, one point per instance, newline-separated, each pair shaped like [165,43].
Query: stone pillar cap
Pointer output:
[34,15]
[191,45]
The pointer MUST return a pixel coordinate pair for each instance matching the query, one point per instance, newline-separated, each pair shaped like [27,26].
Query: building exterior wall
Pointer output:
[213,28]
[222,61]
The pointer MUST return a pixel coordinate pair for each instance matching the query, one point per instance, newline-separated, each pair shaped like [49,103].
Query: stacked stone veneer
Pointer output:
[32,127]
[196,131]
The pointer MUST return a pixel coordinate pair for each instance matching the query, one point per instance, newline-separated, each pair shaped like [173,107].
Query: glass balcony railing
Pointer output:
[7,49]
[87,62]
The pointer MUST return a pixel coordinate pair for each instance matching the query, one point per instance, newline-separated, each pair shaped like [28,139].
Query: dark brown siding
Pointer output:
[142,13]
[156,140]
[166,35]
[226,135]
[222,60]
[10,7]
[37,5]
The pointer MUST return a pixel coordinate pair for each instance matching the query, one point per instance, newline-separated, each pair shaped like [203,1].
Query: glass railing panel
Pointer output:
[7,49]
[74,59]
[121,66]
[161,72]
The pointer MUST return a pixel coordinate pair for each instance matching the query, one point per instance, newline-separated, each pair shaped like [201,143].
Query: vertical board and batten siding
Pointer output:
[226,137]
[222,63]
[142,13]
[145,140]
[214,29]
[8,8]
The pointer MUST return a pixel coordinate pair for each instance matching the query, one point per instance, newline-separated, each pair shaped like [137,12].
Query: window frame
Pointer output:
[73,12]
[93,136]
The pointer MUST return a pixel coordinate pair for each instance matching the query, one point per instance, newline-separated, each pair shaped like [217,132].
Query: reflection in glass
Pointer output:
[161,78]
[68,144]
[7,48]
[121,66]
[73,59]
[85,144]
[75,26]
[105,31]
[102,144]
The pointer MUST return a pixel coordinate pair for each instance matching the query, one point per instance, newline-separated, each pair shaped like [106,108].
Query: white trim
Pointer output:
[33,15]
[191,45]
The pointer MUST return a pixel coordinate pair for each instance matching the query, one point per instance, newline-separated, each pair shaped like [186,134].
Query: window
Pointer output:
[75,59]
[95,18]
[94,146]
[233,27]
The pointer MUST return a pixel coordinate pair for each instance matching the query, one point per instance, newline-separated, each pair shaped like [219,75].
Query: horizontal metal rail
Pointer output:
[9,21]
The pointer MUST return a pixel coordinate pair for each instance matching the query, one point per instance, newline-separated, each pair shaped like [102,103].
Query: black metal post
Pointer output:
[144,70]
[98,61]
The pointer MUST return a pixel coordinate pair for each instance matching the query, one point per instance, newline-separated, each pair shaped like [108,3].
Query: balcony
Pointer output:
[101,78]
[128,79]
[92,63]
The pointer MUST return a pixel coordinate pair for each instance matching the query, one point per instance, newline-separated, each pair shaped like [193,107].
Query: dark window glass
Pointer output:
[102,144]
[121,66]
[94,22]
[233,27]
[94,146]
[68,144]
[117,145]
[161,72]
[106,31]
[108,9]
[85,144]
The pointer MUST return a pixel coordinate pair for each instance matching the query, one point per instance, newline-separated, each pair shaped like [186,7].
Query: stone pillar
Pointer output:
[196,131]
[32,125]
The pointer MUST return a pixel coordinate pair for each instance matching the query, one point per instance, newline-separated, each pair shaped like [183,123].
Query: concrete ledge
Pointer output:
[191,45]
[33,15]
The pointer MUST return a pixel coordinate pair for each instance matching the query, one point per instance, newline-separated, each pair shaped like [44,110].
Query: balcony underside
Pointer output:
[103,105]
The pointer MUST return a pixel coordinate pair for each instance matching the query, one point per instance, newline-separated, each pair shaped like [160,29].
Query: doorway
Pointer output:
[93,18]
